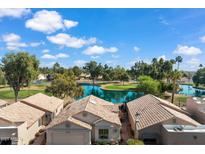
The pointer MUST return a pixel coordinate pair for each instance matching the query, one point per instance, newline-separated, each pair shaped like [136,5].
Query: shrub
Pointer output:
[134,142]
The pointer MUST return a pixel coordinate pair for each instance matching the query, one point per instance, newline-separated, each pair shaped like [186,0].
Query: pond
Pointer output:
[110,95]
[191,91]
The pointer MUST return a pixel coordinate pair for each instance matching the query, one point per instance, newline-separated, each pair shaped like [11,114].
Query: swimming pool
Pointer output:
[109,95]
[191,91]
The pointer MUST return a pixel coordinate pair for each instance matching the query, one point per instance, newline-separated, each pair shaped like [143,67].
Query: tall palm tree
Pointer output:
[178,59]
[174,76]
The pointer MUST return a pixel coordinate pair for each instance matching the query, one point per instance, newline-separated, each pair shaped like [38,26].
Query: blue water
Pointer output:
[111,96]
[191,91]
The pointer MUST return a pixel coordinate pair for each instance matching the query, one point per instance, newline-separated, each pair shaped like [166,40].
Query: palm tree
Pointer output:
[200,65]
[178,59]
[174,76]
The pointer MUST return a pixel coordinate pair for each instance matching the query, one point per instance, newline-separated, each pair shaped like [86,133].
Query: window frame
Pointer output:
[103,133]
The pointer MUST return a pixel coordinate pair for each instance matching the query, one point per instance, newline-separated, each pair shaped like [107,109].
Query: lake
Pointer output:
[110,95]
[191,91]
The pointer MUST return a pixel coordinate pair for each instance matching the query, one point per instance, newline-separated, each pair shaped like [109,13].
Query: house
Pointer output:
[148,114]
[19,123]
[42,77]
[52,106]
[3,103]
[196,107]
[183,135]
[85,121]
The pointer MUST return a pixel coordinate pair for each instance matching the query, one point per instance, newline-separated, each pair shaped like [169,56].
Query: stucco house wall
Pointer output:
[114,131]
[68,133]
[182,138]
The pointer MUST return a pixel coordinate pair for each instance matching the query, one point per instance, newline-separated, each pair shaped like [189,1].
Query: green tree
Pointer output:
[77,71]
[199,77]
[174,76]
[179,60]
[94,69]
[65,85]
[2,77]
[20,68]
[147,85]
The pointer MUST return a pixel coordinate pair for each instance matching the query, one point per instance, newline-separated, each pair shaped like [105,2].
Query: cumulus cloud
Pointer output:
[162,56]
[13,42]
[49,22]
[70,41]
[15,13]
[69,23]
[95,57]
[194,61]
[202,39]
[135,48]
[45,51]
[80,62]
[57,56]
[187,51]
[97,50]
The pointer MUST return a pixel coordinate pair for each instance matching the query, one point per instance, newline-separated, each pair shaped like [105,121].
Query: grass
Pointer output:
[119,87]
[9,94]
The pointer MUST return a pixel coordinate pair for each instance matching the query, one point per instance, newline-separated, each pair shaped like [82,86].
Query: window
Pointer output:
[103,133]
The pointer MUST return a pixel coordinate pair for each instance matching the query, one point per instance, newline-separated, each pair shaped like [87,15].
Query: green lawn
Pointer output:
[119,87]
[180,100]
[9,94]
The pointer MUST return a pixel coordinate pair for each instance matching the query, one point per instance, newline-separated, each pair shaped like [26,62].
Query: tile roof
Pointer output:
[2,102]
[149,110]
[19,112]
[90,104]
[79,123]
[43,102]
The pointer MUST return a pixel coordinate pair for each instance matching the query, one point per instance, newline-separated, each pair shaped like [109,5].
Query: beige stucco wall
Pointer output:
[64,135]
[196,110]
[182,138]
[114,131]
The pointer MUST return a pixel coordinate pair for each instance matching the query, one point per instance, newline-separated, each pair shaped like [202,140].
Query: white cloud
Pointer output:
[62,55]
[15,13]
[48,22]
[59,55]
[95,57]
[97,50]
[35,44]
[69,23]
[194,61]
[11,37]
[186,50]
[45,51]
[136,48]
[80,62]
[162,56]
[115,56]
[70,41]
[202,39]
[13,41]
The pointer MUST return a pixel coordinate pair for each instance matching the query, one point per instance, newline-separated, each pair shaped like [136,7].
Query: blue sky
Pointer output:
[112,36]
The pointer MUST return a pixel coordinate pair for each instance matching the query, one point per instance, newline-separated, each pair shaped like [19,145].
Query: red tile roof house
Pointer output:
[51,105]
[87,120]
[19,123]
[3,103]
[149,114]
[196,106]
